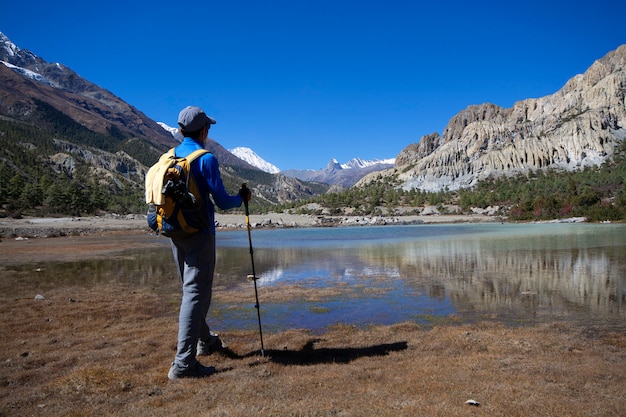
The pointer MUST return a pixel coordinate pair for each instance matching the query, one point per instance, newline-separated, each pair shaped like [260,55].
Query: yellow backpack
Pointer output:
[175,207]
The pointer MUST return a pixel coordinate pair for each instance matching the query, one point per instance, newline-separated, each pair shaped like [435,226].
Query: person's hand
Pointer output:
[245,193]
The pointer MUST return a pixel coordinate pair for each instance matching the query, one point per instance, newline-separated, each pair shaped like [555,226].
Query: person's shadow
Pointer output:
[310,355]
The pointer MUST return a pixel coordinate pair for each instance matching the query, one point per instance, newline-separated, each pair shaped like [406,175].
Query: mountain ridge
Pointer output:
[578,126]
[344,175]
[46,95]
[329,175]
[88,104]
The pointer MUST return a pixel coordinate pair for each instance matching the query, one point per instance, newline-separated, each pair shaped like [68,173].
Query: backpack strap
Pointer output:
[190,158]
[195,154]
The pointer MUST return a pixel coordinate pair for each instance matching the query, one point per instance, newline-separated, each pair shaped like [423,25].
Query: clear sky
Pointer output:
[302,82]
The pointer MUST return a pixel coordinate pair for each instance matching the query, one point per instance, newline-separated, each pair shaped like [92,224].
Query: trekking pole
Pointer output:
[253,275]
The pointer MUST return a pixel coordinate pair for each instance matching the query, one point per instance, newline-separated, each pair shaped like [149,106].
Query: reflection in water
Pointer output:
[388,274]
[511,272]
[525,282]
[149,267]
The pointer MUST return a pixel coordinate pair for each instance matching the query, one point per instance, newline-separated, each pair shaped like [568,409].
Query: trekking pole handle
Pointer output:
[244,193]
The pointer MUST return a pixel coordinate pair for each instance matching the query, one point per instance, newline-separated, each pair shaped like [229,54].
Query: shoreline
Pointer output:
[43,227]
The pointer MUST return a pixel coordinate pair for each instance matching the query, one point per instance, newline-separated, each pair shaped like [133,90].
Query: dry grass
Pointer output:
[105,349]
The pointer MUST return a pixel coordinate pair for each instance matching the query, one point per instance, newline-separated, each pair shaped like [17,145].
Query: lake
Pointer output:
[515,273]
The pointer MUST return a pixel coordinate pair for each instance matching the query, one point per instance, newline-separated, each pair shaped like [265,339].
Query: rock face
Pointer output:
[578,126]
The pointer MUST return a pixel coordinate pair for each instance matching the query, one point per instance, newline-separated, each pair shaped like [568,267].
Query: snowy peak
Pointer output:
[359,163]
[17,60]
[25,62]
[245,154]
[333,165]
[9,47]
[172,131]
[345,175]
[253,159]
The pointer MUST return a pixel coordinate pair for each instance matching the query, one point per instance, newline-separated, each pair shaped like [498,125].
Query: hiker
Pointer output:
[195,255]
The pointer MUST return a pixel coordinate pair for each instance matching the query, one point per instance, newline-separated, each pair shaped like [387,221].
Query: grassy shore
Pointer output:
[95,349]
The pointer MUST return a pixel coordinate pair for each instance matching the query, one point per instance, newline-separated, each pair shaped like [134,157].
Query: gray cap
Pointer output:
[193,118]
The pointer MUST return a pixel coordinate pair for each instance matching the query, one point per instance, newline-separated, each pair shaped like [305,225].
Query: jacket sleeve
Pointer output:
[209,168]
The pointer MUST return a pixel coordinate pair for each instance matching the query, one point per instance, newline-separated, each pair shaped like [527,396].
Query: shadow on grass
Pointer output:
[309,355]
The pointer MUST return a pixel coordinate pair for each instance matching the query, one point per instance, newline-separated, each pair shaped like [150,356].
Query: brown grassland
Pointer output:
[105,349]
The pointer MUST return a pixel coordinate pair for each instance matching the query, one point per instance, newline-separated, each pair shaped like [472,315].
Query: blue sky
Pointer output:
[302,82]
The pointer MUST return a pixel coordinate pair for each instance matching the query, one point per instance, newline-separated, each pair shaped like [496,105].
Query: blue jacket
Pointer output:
[206,167]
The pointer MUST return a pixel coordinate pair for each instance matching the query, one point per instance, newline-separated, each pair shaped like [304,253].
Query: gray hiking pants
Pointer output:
[195,260]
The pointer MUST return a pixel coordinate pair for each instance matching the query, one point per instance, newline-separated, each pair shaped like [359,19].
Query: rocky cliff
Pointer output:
[578,126]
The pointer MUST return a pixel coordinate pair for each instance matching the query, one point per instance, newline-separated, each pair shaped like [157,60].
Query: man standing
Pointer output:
[195,255]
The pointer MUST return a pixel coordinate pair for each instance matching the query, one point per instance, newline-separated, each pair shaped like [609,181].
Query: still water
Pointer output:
[514,273]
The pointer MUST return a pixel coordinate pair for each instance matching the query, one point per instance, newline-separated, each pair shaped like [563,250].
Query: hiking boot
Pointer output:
[197,371]
[212,344]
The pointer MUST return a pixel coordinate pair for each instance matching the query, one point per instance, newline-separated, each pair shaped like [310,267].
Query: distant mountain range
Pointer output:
[578,126]
[345,175]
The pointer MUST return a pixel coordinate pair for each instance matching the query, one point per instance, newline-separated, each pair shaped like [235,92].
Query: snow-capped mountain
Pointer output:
[345,175]
[245,154]
[335,173]
[253,159]
[174,131]
[360,163]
